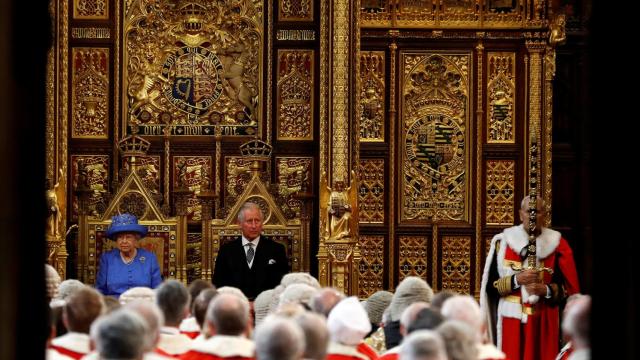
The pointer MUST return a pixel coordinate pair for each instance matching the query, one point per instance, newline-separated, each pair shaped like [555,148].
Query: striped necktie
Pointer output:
[250,253]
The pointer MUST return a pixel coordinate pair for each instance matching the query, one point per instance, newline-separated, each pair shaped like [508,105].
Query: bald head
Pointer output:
[82,308]
[316,334]
[409,316]
[465,308]
[279,339]
[325,299]
[577,322]
[228,314]
[423,345]
[153,317]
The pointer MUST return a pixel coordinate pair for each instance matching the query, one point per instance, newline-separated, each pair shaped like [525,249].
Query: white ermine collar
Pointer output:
[226,346]
[546,243]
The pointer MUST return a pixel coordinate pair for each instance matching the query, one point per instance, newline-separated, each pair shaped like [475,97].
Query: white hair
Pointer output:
[524,204]
[261,305]
[409,314]
[297,293]
[423,345]
[459,340]
[466,309]
[68,288]
[154,318]
[232,290]
[120,335]
[316,334]
[576,323]
[249,206]
[279,338]
[138,293]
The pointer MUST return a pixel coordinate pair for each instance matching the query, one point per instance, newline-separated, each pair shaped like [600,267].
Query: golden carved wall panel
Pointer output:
[371,192]
[90,93]
[372,96]
[148,169]
[340,60]
[371,267]
[413,257]
[90,33]
[93,171]
[295,10]
[456,263]
[295,110]
[194,65]
[459,12]
[415,13]
[291,173]
[434,148]
[487,247]
[500,192]
[375,12]
[452,14]
[238,175]
[91,9]
[501,93]
[194,256]
[193,173]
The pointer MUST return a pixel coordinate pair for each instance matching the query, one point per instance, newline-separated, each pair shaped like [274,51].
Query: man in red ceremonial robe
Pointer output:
[523,305]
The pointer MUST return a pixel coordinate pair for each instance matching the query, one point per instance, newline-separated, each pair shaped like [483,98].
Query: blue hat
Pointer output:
[125,223]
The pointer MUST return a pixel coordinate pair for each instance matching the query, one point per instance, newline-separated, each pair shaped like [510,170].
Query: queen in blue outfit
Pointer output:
[128,265]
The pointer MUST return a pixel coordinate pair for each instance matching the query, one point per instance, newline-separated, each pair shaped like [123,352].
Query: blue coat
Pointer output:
[116,277]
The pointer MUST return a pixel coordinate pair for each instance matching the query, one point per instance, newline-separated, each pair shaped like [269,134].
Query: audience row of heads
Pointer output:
[297,319]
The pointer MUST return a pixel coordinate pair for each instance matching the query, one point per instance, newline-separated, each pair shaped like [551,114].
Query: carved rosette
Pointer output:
[372,96]
[435,156]
[500,192]
[456,263]
[501,97]
[371,192]
[295,94]
[90,93]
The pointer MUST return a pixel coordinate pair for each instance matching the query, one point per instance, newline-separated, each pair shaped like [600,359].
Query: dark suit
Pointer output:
[269,265]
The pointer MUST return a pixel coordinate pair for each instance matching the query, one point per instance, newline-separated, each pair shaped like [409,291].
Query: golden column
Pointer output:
[338,252]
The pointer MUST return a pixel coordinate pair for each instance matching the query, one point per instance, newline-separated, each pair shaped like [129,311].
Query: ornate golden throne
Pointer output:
[287,230]
[134,196]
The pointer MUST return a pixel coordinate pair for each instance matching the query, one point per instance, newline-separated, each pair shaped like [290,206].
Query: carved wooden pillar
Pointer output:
[207,199]
[338,255]
[557,36]
[83,192]
[181,196]
[306,200]
[56,130]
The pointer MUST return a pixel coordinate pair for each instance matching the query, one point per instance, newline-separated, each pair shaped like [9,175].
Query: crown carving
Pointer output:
[133,145]
[256,149]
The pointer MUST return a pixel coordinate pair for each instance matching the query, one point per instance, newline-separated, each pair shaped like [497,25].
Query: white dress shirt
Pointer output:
[255,242]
